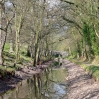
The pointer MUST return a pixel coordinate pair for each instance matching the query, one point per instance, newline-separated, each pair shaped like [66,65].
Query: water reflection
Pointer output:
[49,85]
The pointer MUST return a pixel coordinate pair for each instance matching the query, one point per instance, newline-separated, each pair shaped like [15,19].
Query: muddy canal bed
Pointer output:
[49,85]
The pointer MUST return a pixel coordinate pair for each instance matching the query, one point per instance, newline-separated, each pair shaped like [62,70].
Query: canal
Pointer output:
[51,84]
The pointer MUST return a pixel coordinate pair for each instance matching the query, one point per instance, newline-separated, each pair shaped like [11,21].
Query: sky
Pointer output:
[8,4]
[52,3]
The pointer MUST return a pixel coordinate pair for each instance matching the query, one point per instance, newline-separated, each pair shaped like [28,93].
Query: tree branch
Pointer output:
[71,21]
[68,2]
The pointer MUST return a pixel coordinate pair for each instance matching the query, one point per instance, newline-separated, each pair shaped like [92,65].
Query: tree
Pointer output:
[83,15]
[21,10]
[1,60]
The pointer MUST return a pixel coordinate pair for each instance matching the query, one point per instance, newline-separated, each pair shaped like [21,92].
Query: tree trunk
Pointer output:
[18,29]
[1,56]
[1,60]
[17,47]
[36,49]
[70,51]
[36,54]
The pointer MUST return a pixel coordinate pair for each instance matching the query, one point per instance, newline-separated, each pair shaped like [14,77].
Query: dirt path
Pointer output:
[80,84]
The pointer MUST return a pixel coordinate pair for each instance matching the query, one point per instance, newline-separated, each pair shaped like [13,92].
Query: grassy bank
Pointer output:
[9,60]
[91,68]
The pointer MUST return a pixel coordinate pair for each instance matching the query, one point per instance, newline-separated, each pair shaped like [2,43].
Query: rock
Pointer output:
[18,74]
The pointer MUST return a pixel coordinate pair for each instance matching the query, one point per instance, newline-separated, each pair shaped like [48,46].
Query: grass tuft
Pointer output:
[92,70]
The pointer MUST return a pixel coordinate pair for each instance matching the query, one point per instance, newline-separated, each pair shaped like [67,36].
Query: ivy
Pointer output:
[90,38]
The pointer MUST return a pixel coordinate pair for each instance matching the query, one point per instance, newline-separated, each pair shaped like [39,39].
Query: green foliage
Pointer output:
[11,69]
[24,58]
[6,70]
[72,56]
[23,55]
[96,60]
[28,53]
[57,64]
[56,55]
[7,47]
[94,41]
[10,55]
[23,50]
[92,70]
[90,39]
[9,59]
[87,34]
[79,48]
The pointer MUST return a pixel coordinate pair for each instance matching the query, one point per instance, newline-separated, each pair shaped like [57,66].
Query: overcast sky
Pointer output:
[53,2]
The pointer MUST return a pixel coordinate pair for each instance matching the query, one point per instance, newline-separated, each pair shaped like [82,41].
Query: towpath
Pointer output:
[80,84]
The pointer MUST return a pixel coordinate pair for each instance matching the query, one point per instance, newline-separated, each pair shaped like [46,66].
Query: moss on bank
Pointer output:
[9,60]
[92,70]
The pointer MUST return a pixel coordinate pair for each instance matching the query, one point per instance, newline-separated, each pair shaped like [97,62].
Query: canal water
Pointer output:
[49,85]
